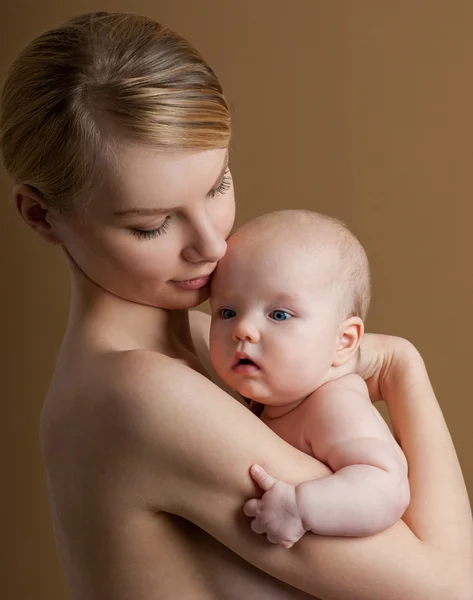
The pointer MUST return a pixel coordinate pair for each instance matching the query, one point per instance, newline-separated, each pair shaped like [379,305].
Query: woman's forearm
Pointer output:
[436,561]
[439,512]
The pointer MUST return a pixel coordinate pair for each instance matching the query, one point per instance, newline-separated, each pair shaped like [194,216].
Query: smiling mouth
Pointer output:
[193,284]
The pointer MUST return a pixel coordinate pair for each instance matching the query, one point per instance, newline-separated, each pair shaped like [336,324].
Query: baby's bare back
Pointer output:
[113,544]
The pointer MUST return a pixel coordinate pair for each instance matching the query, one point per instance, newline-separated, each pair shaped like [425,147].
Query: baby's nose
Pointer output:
[246,331]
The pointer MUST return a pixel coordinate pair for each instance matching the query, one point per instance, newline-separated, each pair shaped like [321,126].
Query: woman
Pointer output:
[115,132]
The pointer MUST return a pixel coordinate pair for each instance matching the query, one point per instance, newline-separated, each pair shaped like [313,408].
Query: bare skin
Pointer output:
[113,541]
[370,489]
[281,316]
[148,460]
[113,487]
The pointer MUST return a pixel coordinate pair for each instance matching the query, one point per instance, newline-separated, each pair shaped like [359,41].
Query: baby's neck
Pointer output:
[276,411]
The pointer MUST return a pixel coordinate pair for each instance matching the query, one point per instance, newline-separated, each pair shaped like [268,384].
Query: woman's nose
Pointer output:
[207,245]
[246,331]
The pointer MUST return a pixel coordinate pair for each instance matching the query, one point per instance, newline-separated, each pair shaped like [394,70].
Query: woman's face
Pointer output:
[156,227]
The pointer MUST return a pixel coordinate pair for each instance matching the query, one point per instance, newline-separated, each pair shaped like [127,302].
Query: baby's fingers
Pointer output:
[276,540]
[257,526]
[250,508]
[263,479]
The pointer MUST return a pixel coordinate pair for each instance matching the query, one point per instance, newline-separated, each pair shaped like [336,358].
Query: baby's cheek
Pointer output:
[295,373]
[213,340]
[217,344]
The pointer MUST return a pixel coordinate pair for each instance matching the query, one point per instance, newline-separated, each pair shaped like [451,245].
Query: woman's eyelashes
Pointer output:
[223,186]
[148,234]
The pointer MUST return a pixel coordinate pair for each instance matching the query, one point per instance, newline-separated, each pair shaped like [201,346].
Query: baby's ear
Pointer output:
[349,337]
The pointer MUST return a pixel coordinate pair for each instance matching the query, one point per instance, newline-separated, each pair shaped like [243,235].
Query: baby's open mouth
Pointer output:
[243,364]
[245,361]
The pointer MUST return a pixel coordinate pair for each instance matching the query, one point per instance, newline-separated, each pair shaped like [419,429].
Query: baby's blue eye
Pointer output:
[279,315]
[227,313]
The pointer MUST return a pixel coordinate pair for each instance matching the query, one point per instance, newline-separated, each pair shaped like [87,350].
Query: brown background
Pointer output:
[362,110]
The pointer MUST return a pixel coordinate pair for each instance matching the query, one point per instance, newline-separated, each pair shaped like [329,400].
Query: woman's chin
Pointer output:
[186,299]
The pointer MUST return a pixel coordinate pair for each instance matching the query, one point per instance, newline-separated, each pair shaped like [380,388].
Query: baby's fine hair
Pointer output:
[315,230]
[100,79]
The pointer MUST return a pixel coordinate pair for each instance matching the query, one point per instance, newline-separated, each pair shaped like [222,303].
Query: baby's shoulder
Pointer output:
[336,396]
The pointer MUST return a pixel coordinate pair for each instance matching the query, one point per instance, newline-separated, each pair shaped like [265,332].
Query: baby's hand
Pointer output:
[275,514]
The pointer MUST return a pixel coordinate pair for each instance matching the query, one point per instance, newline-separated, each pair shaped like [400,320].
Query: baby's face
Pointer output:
[275,320]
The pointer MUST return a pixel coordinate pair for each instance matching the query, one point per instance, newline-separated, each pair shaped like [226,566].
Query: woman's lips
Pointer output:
[193,284]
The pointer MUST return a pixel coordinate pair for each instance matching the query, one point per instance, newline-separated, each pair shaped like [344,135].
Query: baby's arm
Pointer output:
[368,491]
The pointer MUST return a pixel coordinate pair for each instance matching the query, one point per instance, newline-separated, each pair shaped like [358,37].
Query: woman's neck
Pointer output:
[122,323]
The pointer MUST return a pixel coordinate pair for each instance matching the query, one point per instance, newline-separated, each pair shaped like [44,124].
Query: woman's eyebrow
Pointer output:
[142,211]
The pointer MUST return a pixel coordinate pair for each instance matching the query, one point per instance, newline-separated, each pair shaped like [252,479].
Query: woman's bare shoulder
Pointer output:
[120,382]
[144,373]
[144,389]
[159,401]
[134,403]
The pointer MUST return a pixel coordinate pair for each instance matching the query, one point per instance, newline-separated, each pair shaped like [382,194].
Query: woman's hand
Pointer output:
[379,360]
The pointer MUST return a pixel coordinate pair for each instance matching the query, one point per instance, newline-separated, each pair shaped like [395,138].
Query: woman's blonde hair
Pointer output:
[98,78]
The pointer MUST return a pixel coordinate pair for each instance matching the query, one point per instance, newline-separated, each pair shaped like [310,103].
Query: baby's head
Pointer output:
[288,303]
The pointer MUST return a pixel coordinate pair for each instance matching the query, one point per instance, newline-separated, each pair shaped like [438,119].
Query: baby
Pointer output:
[288,303]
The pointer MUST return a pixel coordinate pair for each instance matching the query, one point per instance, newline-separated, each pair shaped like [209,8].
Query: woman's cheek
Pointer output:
[225,215]
[138,257]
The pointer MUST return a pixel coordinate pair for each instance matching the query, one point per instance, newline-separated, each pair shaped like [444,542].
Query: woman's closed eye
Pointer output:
[223,186]
[148,234]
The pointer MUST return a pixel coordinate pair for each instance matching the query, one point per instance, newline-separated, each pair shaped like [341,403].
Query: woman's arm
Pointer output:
[439,512]
[194,445]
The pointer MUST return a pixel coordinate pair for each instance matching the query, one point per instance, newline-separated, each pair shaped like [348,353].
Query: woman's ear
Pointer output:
[349,337]
[35,212]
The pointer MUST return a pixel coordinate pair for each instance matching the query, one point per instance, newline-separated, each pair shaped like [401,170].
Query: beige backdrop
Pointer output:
[359,109]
